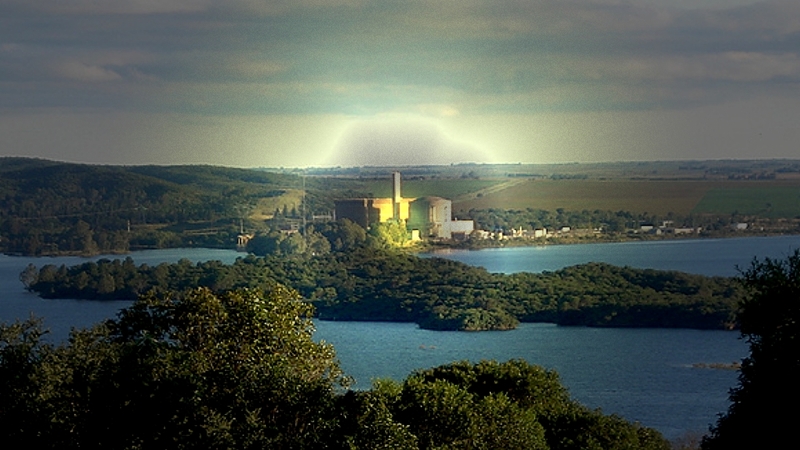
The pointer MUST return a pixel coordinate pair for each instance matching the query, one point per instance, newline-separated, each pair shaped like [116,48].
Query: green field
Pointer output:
[763,198]
[655,197]
[380,188]
[447,188]
[765,201]
[266,206]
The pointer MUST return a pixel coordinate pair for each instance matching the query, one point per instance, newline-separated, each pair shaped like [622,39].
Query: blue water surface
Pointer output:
[645,375]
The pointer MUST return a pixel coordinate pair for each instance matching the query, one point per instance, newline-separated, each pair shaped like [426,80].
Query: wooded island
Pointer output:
[368,284]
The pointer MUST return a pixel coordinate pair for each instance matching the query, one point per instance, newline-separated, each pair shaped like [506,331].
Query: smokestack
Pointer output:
[396,196]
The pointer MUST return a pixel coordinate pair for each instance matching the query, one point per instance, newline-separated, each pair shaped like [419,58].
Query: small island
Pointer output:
[361,282]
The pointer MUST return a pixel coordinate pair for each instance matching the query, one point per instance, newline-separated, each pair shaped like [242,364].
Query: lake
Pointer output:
[700,256]
[645,375]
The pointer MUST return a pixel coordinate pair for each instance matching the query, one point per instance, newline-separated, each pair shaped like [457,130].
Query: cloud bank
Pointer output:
[363,59]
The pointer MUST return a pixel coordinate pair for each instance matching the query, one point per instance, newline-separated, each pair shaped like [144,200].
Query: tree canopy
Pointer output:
[240,370]
[763,413]
[189,370]
[379,284]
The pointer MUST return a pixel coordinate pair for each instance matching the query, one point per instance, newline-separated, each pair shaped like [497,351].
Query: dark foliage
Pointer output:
[374,284]
[195,370]
[199,370]
[763,410]
[59,208]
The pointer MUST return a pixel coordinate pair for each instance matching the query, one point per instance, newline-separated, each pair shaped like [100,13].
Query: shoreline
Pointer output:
[525,242]
[434,247]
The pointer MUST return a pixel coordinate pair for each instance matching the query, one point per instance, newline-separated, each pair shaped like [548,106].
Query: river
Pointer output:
[644,375]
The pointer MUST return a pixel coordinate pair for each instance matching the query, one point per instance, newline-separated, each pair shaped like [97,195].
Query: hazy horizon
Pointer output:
[400,166]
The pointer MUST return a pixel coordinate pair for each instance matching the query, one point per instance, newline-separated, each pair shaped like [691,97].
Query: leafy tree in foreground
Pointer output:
[763,410]
[240,370]
[511,405]
[191,370]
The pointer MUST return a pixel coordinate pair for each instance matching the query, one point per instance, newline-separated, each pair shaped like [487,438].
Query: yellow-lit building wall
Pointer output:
[385,207]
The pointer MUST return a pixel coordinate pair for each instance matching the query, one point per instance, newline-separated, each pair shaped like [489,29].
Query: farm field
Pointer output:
[344,188]
[266,206]
[448,188]
[638,196]
[768,189]
[778,200]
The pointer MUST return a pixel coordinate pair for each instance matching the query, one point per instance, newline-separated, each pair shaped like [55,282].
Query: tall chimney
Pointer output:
[396,196]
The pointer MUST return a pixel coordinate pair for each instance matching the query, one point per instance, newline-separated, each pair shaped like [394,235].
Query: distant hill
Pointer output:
[49,207]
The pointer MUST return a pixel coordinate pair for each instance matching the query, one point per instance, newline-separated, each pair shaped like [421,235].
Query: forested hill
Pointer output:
[372,284]
[56,208]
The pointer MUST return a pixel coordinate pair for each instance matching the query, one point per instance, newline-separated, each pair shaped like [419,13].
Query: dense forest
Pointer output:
[375,284]
[49,208]
[199,370]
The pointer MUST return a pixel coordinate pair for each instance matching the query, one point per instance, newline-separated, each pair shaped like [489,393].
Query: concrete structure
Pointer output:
[366,211]
[432,216]
[428,216]
[461,229]
[242,240]
[397,197]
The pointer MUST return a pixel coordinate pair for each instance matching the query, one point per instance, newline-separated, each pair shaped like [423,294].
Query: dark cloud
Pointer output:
[367,52]
[364,58]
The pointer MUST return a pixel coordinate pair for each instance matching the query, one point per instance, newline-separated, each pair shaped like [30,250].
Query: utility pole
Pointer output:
[303,203]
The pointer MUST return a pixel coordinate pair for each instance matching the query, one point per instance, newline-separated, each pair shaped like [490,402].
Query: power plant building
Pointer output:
[367,211]
[431,216]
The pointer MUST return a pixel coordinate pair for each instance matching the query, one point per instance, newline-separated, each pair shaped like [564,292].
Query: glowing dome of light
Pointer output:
[402,141]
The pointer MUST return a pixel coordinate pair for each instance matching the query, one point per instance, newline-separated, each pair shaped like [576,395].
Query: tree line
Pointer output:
[610,222]
[51,208]
[369,283]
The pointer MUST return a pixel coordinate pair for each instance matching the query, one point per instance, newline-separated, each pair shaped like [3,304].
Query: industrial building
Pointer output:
[424,216]
[366,211]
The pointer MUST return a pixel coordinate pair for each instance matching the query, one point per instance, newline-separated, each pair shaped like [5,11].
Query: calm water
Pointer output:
[643,375]
[61,315]
[700,256]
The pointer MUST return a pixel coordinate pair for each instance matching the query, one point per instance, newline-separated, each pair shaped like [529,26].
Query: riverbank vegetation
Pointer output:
[239,369]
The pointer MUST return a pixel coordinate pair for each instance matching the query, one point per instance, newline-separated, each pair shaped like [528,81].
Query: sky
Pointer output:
[298,83]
